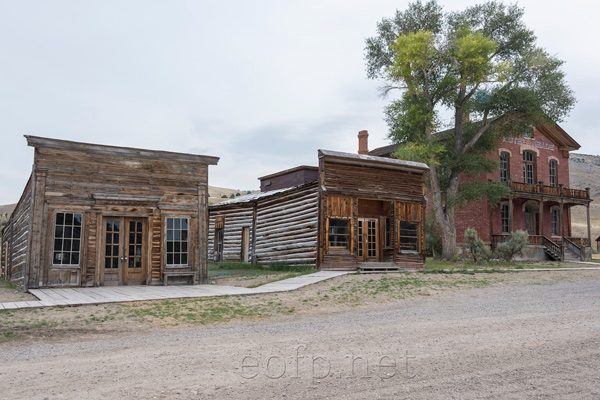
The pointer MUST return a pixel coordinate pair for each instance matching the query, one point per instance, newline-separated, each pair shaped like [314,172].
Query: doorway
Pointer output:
[218,244]
[368,240]
[530,220]
[245,243]
[124,251]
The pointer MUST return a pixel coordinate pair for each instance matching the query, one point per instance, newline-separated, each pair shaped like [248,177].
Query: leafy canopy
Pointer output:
[466,79]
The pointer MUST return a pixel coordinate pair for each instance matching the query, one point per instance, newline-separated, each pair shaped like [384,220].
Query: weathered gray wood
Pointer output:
[104,181]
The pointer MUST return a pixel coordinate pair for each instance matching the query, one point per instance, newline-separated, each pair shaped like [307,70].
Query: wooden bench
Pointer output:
[167,274]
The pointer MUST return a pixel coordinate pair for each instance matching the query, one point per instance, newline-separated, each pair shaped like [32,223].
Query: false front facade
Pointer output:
[95,215]
[352,211]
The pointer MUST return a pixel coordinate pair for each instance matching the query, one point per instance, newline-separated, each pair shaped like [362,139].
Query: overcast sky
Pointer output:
[260,84]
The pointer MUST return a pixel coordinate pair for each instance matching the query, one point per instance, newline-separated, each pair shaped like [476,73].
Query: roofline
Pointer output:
[288,171]
[258,197]
[59,144]
[560,137]
[382,162]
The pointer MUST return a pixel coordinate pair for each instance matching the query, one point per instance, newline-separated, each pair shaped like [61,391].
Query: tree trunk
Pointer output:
[448,241]
[444,213]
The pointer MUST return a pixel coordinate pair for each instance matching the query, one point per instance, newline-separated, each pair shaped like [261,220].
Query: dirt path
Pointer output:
[507,341]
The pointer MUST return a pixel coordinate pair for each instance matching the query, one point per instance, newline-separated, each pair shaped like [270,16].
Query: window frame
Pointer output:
[504,166]
[555,221]
[505,217]
[553,177]
[53,243]
[187,252]
[529,163]
[387,240]
[417,238]
[347,234]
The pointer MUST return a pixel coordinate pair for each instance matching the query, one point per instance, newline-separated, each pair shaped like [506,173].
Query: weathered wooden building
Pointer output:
[352,211]
[102,215]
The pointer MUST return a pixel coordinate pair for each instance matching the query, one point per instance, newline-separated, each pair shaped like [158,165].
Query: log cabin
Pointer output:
[93,215]
[353,211]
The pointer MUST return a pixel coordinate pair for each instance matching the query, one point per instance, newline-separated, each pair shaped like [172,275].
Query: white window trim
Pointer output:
[189,219]
[53,233]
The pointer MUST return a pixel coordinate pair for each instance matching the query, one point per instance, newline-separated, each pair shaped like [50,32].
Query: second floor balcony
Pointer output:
[548,191]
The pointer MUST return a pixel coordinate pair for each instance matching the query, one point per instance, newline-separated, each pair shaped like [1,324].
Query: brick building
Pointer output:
[536,168]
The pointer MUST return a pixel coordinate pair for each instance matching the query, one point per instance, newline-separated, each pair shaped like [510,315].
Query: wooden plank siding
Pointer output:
[367,188]
[282,226]
[101,182]
[286,227]
[15,237]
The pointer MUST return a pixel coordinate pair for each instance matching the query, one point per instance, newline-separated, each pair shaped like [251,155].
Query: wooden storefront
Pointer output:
[372,212]
[360,212]
[95,215]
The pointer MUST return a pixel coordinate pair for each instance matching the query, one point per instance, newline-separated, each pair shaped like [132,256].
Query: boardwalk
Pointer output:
[120,294]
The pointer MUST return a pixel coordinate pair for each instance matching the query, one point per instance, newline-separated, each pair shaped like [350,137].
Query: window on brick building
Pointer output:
[553,173]
[504,166]
[554,221]
[529,175]
[505,218]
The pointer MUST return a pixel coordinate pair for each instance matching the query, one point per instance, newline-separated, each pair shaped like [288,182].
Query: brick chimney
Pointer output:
[363,142]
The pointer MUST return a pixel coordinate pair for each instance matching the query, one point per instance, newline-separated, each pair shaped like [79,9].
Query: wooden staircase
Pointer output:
[565,251]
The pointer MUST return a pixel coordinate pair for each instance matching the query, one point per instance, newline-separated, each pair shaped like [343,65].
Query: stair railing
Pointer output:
[579,251]
[554,247]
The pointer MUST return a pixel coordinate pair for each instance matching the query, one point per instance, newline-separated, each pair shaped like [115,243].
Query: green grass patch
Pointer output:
[4,284]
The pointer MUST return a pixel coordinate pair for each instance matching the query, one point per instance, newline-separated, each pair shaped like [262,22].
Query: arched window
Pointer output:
[504,166]
[553,173]
[529,175]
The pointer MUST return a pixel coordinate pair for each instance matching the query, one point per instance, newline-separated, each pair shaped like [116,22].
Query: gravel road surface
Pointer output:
[514,341]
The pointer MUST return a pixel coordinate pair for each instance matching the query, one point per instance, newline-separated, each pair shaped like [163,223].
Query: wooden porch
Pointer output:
[565,248]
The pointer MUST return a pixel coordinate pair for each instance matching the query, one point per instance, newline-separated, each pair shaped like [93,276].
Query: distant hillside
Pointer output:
[584,171]
[7,209]
[215,194]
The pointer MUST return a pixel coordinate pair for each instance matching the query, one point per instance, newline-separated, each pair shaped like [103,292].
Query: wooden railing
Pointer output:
[540,188]
[579,241]
[554,247]
[579,251]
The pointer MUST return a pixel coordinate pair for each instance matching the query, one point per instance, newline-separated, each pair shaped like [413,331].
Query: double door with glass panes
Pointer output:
[368,239]
[124,251]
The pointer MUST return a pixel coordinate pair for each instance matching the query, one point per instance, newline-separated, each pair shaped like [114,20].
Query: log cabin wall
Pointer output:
[232,222]
[15,237]
[372,210]
[281,226]
[286,227]
[100,215]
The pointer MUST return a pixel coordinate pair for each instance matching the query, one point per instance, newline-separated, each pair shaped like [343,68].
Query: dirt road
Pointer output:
[510,341]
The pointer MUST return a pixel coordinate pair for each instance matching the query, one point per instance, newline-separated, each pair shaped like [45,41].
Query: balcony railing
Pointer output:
[540,188]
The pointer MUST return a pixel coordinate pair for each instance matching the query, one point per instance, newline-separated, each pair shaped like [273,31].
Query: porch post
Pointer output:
[542,217]
[560,220]
[588,223]
[588,217]
[510,214]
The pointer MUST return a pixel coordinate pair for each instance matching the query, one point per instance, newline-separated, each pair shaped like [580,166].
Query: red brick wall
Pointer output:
[477,214]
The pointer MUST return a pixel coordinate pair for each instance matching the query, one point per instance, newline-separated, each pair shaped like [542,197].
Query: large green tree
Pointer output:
[465,80]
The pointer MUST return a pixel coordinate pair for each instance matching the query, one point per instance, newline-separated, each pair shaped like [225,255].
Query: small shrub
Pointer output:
[476,247]
[508,250]
[224,196]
